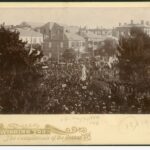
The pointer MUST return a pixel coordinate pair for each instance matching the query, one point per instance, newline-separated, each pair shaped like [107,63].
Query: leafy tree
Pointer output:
[109,48]
[35,51]
[69,54]
[134,56]
[23,25]
[35,46]
[18,71]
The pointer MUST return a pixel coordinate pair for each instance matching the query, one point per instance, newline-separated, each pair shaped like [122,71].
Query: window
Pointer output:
[34,40]
[61,44]
[95,43]
[102,43]
[72,44]
[39,40]
[77,43]
[80,44]
[90,42]
[50,45]
[44,31]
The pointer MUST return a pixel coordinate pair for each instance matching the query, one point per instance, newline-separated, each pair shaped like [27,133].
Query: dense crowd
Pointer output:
[66,92]
[31,84]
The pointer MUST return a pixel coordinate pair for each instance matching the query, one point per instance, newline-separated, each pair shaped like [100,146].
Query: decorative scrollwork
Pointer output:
[14,128]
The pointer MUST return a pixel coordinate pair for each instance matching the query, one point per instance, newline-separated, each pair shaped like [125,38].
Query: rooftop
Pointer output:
[132,23]
[50,24]
[30,33]
[92,35]
[32,24]
[74,37]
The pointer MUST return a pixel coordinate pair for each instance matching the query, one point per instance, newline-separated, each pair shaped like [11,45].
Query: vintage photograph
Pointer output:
[74,60]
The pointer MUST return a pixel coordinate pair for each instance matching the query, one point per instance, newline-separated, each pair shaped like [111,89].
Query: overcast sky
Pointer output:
[90,17]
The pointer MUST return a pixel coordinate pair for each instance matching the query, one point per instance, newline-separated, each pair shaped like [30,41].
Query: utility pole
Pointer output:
[57,53]
[78,55]
[93,46]
[93,52]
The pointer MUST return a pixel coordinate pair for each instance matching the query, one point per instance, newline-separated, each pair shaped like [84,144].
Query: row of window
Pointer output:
[95,42]
[32,40]
[103,32]
[72,44]
[75,44]
[128,31]
[147,31]
[60,45]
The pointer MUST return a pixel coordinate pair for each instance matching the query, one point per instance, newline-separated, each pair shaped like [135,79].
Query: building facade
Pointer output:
[74,41]
[124,29]
[30,36]
[92,40]
[58,38]
[101,31]
[53,39]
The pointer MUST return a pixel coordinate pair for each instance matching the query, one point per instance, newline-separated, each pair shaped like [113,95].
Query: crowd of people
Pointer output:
[66,91]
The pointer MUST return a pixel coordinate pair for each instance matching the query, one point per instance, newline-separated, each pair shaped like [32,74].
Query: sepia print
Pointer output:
[72,64]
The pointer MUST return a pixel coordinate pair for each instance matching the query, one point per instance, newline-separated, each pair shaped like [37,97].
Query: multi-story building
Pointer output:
[71,29]
[27,34]
[74,41]
[92,41]
[102,31]
[124,29]
[53,35]
[58,37]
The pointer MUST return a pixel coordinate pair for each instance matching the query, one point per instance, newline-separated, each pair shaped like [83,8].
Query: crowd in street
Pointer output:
[68,93]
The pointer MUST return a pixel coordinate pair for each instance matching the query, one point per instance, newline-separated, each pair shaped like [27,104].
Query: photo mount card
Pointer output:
[62,79]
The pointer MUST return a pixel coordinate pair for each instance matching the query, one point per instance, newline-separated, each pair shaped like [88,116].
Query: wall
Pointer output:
[33,40]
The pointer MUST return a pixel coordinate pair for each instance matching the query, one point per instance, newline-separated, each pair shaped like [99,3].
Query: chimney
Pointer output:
[131,21]
[142,22]
[119,24]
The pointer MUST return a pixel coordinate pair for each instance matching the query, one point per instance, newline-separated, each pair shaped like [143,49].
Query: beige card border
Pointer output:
[74,129]
[73,4]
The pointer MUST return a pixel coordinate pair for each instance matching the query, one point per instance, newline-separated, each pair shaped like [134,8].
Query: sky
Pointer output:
[91,17]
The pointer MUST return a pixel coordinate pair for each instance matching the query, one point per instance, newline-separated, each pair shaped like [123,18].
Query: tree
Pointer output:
[134,56]
[109,48]
[18,71]
[69,54]
[35,51]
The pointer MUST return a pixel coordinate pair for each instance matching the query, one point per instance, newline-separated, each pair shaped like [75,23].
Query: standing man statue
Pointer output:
[83,76]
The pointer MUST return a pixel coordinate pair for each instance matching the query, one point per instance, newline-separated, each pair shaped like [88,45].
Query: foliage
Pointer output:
[109,48]
[35,46]
[18,70]
[134,56]
[24,25]
[69,54]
